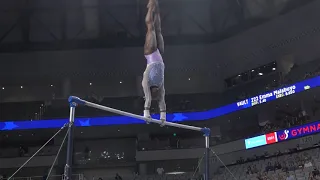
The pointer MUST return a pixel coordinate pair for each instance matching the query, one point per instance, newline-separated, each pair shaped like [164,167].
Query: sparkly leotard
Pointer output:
[155,69]
[153,76]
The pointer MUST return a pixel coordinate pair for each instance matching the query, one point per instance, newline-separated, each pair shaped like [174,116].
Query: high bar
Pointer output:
[73,99]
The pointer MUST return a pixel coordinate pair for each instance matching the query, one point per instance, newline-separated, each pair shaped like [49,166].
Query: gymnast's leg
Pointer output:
[159,36]
[160,46]
[150,47]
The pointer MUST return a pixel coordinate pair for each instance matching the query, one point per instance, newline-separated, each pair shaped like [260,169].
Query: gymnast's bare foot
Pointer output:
[152,5]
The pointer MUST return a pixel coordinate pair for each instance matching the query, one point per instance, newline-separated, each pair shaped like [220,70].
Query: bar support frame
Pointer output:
[68,167]
[75,101]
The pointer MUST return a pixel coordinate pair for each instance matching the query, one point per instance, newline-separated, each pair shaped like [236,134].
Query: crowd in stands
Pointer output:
[286,122]
[300,163]
[293,164]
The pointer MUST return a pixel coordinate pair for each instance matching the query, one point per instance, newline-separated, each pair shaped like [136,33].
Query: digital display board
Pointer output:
[261,140]
[276,94]
[298,131]
[256,141]
[283,135]
[171,117]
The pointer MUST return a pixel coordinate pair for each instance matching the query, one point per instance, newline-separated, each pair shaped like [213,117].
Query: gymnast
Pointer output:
[153,76]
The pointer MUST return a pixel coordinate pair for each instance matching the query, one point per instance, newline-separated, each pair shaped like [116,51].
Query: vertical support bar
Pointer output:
[207,133]
[68,166]
[207,161]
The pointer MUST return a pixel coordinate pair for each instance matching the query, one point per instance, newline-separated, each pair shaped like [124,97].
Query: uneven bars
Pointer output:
[73,99]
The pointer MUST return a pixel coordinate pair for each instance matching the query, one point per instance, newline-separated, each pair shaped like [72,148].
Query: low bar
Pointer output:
[104,108]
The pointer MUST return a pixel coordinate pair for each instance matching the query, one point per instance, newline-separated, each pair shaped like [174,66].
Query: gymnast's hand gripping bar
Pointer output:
[77,101]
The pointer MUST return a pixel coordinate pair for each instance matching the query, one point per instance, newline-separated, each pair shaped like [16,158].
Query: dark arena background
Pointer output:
[249,70]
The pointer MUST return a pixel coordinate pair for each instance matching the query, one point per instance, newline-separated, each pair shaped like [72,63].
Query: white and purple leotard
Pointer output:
[154,76]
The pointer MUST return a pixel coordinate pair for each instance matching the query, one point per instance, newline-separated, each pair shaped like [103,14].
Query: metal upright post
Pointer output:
[68,166]
[207,158]
[206,132]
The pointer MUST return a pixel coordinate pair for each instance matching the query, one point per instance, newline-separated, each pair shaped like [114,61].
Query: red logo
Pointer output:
[271,138]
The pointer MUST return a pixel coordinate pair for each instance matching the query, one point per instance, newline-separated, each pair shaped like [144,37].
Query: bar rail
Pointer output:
[78,101]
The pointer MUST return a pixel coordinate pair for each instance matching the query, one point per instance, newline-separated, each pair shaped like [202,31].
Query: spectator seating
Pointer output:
[300,165]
